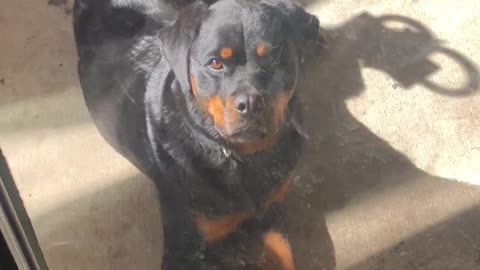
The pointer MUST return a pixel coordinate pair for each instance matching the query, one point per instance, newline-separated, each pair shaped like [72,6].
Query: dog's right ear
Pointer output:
[303,26]
[177,38]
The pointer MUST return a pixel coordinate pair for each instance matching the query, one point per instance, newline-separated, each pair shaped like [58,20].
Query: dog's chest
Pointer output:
[251,186]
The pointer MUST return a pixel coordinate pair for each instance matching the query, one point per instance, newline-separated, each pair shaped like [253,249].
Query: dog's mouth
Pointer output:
[247,133]
[248,141]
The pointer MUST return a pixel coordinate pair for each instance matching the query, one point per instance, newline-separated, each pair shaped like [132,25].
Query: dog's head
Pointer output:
[238,62]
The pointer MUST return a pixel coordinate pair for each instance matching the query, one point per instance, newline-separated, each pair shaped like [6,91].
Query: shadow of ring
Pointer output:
[469,87]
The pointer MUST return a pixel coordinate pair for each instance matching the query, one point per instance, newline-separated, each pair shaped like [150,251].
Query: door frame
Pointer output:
[15,225]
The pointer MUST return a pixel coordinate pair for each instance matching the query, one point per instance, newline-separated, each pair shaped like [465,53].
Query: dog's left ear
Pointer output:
[304,26]
[176,40]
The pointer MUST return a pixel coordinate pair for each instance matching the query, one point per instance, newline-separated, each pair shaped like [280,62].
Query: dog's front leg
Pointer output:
[278,252]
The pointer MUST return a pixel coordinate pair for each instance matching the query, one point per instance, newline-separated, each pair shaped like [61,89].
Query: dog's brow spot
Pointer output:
[262,49]
[226,53]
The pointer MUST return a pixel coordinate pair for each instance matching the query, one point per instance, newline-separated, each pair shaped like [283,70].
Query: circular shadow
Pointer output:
[468,88]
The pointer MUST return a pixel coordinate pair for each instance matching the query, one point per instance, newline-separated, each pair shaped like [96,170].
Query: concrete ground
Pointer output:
[390,178]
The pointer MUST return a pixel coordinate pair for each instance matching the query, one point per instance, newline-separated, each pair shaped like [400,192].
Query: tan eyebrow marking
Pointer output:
[262,49]
[226,53]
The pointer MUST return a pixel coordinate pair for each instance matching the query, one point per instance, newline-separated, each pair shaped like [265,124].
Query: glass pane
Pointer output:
[245,134]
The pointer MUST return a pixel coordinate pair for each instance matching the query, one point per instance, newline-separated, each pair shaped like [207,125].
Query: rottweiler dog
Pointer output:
[200,96]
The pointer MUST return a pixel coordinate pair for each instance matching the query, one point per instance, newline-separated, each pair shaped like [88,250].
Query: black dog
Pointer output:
[201,98]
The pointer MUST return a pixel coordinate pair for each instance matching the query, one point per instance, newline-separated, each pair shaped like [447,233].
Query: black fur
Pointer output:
[136,59]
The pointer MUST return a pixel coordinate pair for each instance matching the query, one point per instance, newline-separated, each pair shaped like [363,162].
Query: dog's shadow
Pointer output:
[343,158]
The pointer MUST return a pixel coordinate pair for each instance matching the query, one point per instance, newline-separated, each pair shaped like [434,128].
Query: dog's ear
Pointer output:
[304,26]
[177,38]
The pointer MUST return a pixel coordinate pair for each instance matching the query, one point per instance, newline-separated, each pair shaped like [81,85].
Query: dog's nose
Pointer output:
[249,103]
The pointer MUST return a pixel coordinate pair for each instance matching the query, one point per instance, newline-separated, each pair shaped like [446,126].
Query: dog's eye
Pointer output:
[215,64]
